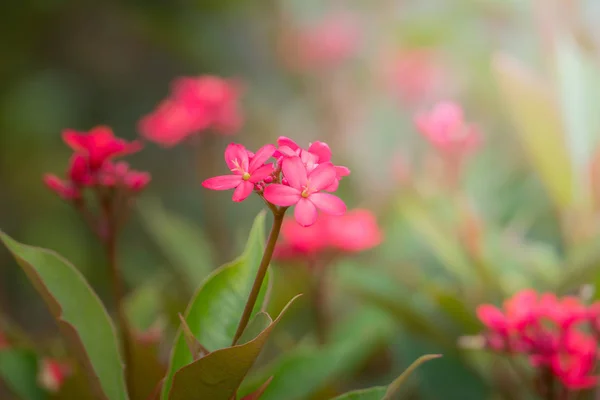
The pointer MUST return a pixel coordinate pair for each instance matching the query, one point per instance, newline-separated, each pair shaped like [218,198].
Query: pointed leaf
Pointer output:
[185,245]
[258,324]
[215,310]
[397,384]
[256,395]
[19,370]
[218,375]
[79,313]
[374,393]
[536,117]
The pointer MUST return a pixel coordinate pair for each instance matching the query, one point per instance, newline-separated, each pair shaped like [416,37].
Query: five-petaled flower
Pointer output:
[248,169]
[304,190]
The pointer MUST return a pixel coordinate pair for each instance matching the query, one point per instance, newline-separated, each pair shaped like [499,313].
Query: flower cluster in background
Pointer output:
[556,334]
[195,105]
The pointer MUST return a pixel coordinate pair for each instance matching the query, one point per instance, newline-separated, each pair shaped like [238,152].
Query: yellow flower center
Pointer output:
[246,176]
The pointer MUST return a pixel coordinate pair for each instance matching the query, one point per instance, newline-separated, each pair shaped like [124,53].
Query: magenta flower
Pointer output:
[248,169]
[304,191]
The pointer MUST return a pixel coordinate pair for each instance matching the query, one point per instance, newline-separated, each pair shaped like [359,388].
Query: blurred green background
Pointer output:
[77,64]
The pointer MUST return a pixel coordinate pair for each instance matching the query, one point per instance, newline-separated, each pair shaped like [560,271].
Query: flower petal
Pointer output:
[236,158]
[261,173]
[341,171]
[286,141]
[321,177]
[305,212]
[294,171]
[223,182]
[328,203]
[281,195]
[321,150]
[261,156]
[242,191]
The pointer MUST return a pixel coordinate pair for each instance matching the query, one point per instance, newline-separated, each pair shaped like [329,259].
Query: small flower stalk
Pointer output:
[558,336]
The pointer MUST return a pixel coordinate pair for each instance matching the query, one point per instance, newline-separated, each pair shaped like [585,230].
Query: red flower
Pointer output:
[64,189]
[52,374]
[99,145]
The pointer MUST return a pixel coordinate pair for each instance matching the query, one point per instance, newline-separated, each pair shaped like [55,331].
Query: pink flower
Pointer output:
[171,122]
[324,45]
[119,174]
[355,231]
[304,191]
[298,241]
[317,153]
[99,145]
[194,105]
[247,170]
[52,374]
[64,189]
[445,128]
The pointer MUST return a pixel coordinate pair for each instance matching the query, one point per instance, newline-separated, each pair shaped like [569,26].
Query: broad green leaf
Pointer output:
[536,117]
[79,314]
[305,370]
[215,310]
[259,323]
[19,370]
[185,245]
[218,375]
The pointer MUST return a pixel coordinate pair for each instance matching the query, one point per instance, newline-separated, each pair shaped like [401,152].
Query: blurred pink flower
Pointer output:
[304,191]
[445,128]
[196,104]
[99,145]
[548,331]
[248,169]
[415,75]
[52,374]
[324,45]
[62,188]
[355,231]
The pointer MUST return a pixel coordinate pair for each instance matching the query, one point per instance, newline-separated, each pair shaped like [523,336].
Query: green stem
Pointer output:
[278,214]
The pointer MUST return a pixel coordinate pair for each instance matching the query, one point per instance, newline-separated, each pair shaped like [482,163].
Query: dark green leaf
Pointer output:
[375,393]
[215,310]
[218,375]
[79,313]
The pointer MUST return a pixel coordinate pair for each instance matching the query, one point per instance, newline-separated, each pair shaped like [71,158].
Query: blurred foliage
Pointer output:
[524,215]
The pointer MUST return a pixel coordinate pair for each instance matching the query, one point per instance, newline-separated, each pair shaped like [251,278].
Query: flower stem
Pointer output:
[278,214]
[118,298]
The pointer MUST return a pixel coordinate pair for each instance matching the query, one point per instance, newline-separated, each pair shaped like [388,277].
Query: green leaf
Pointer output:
[387,392]
[185,245]
[303,371]
[19,370]
[397,384]
[374,393]
[536,117]
[218,375]
[215,310]
[259,392]
[259,323]
[79,313]
[143,305]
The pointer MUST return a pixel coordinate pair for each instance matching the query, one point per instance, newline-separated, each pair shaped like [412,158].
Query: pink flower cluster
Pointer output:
[355,231]
[297,177]
[195,105]
[92,164]
[445,128]
[559,335]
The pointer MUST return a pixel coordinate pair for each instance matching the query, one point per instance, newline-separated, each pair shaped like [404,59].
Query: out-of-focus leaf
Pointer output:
[305,370]
[387,392]
[259,392]
[380,290]
[19,370]
[374,393]
[581,267]
[579,93]
[259,323]
[215,310]
[143,305]
[443,243]
[218,375]
[79,313]
[539,126]
[453,305]
[147,369]
[185,245]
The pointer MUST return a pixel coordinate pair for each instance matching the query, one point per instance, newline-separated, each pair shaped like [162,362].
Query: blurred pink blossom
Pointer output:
[52,374]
